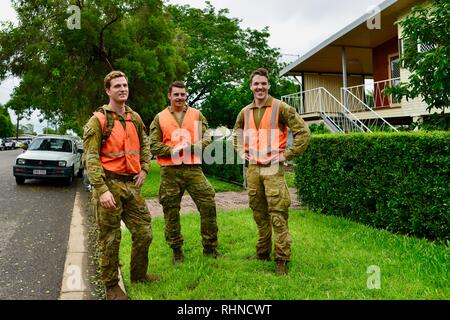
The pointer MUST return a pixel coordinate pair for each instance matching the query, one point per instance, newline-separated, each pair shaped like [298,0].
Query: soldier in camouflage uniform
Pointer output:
[269,196]
[117,165]
[181,170]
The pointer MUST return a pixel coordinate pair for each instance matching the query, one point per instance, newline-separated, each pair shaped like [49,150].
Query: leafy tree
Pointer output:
[6,126]
[225,102]
[221,56]
[49,131]
[27,129]
[427,26]
[62,69]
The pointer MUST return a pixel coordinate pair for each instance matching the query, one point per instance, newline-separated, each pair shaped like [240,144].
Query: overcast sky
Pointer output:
[295,26]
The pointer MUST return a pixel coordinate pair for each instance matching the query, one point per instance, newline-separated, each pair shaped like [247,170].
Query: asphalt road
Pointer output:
[34,231]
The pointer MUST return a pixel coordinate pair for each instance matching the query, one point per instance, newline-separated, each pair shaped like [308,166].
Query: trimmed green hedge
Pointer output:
[227,165]
[394,181]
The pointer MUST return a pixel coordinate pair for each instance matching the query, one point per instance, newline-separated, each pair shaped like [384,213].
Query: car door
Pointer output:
[76,158]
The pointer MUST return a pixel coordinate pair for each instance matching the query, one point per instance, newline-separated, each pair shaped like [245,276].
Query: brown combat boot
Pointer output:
[178,256]
[115,293]
[211,252]
[281,268]
[147,279]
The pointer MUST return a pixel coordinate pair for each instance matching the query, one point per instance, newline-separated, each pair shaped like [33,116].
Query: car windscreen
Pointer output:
[51,144]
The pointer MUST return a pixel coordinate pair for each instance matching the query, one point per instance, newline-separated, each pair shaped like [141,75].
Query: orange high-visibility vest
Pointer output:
[121,151]
[264,145]
[172,134]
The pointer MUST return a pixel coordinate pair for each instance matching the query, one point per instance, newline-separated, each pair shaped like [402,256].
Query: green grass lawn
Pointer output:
[330,259]
[150,188]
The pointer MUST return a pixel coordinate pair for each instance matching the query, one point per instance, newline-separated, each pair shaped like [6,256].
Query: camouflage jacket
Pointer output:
[92,140]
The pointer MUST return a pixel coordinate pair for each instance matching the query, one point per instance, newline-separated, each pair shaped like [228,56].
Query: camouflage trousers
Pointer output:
[270,200]
[132,209]
[174,181]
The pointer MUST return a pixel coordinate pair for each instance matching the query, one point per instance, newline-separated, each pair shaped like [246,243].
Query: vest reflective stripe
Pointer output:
[121,151]
[246,132]
[172,134]
[113,154]
[273,118]
[266,143]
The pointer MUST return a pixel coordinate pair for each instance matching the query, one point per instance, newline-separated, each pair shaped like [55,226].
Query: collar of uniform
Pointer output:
[267,104]
[184,109]
[109,108]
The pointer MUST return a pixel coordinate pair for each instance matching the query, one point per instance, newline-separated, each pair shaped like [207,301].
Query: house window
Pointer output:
[394,66]
[425,47]
[394,74]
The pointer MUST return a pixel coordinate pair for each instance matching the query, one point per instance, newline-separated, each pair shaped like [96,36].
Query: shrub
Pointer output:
[394,181]
[318,128]
[227,164]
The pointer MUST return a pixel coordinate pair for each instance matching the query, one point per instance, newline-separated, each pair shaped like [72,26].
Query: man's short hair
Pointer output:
[113,75]
[177,84]
[259,72]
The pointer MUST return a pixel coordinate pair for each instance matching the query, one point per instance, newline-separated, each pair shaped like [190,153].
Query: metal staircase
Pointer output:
[340,123]
[335,115]
[363,98]
[321,103]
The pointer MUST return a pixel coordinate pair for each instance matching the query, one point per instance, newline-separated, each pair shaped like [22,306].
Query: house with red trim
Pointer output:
[344,77]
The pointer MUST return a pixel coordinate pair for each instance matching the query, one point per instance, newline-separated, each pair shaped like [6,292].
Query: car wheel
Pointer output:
[69,179]
[80,173]
[20,180]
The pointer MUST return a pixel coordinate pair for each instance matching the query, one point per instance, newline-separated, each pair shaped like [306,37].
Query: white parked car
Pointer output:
[49,156]
[7,144]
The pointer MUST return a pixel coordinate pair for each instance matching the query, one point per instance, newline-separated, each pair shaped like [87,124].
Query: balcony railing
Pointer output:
[369,97]
[295,100]
[335,115]
[353,114]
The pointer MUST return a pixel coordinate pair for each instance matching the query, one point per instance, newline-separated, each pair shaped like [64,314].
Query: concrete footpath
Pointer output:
[224,201]
[78,271]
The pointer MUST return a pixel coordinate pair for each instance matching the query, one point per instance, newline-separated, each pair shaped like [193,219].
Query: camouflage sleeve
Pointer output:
[238,131]
[158,148]
[300,131]
[206,134]
[92,139]
[145,155]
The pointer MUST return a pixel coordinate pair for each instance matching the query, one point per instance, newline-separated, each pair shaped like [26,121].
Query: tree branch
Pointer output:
[199,96]
[101,46]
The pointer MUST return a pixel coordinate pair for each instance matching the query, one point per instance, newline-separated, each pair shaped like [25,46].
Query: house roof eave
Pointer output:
[286,70]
